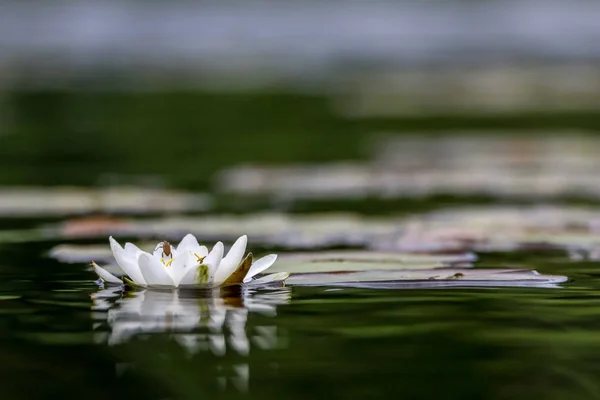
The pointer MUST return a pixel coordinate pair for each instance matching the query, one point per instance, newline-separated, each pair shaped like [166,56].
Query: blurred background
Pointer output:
[177,91]
[417,128]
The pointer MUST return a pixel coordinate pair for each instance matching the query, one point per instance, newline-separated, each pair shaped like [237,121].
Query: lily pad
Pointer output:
[507,166]
[388,279]
[499,229]
[335,261]
[291,231]
[73,253]
[45,202]
[453,230]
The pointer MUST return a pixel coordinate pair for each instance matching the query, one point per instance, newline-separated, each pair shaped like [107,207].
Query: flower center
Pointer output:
[202,274]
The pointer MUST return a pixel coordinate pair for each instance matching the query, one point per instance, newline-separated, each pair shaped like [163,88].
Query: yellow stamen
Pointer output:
[162,260]
[199,259]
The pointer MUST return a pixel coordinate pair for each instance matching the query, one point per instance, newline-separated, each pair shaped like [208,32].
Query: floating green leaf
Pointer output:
[427,278]
[366,260]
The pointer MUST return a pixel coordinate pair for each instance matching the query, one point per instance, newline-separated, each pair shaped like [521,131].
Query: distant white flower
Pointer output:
[189,265]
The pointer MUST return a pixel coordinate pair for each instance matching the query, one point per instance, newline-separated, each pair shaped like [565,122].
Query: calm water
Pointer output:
[455,343]
[60,335]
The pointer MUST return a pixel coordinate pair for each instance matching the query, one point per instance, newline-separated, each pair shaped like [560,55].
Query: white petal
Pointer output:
[131,248]
[180,266]
[260,265]
[213,259]
[276,277]
[127,262]
[203,251]
[188,243]
[105,275]
[229,264]
[155,273]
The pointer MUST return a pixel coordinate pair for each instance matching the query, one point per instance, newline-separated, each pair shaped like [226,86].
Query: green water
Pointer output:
[320,342]
[65,138]
[450,343]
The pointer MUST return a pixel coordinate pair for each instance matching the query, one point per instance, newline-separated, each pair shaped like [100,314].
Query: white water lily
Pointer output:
[189,265]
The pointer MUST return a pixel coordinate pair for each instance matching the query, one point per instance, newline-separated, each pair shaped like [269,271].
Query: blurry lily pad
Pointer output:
[336,261]
[454,230]
[291,231]
[72,253]
[41,202]
[499,229]
[427,278]
[510,165]
[9,297]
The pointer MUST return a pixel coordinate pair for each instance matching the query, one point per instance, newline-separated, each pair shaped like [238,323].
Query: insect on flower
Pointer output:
[166,248]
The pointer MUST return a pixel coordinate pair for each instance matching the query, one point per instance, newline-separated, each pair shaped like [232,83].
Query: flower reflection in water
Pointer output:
[213,321]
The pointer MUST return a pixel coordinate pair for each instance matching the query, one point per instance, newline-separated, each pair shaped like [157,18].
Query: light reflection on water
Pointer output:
[197,323]
[173,344]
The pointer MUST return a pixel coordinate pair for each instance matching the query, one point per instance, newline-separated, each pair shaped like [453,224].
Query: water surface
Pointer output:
[61,335]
